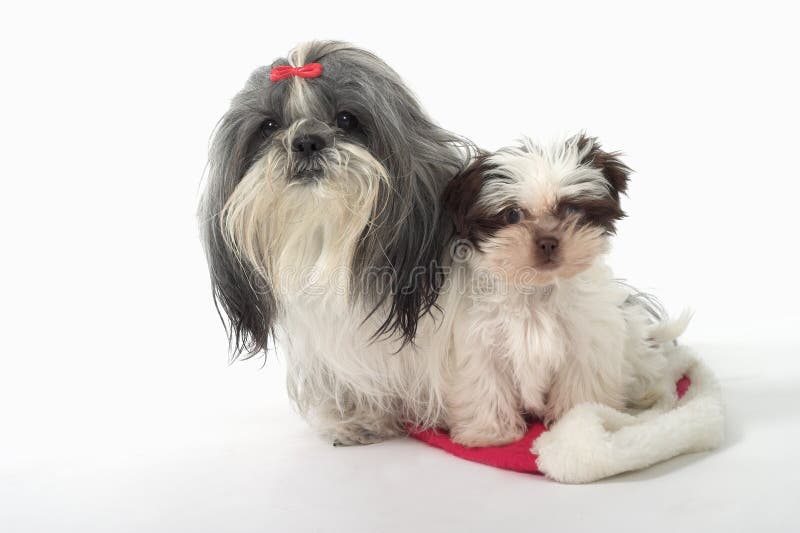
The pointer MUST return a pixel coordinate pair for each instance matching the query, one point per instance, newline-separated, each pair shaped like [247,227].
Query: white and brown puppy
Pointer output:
[541,324]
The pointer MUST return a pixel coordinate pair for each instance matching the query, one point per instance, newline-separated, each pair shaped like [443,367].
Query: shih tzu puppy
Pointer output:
[323,230]
[541,324]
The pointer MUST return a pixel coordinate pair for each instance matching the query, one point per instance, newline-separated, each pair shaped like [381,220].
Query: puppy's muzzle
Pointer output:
[547,253]
[548,246]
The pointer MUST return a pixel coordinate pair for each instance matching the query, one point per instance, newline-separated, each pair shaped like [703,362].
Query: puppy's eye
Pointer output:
[269,127]
[346,121]
[573,210]
[514,215]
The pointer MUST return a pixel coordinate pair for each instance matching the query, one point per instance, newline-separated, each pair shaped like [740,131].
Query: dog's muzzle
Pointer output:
[307,151]
[308,146]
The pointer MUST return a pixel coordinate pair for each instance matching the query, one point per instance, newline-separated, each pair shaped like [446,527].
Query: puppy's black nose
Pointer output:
[547,245]
[308,145]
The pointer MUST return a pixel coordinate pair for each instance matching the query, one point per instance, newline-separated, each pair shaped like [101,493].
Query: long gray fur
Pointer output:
[407,235]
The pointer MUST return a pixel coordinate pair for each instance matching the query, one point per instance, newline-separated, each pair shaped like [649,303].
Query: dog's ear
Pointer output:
[409,231]
[242,294]
[411,240]
[396,270]
[460,195]
[605,212]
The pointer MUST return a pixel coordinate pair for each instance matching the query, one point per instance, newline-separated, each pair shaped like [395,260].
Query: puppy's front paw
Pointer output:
[537,408]
[479,437]
[553,413]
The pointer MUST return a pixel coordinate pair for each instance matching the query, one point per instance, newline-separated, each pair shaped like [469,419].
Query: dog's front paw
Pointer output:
[353,434]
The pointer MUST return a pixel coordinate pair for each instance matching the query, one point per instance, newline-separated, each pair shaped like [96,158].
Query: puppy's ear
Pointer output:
[460,195]
[614,170]
[607,211]
[243,296]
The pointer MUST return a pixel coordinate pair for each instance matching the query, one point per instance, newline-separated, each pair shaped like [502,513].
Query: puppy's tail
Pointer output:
[663,329]
[668,329]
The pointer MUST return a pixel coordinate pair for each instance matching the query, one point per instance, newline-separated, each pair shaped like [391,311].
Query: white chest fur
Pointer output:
[335,364]
[544,349]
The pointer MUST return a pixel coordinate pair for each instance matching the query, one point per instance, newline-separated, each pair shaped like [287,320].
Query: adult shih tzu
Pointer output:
[322,229]
[541,324]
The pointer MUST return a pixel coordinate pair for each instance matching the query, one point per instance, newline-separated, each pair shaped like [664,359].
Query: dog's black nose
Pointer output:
[547,245]
[308,145]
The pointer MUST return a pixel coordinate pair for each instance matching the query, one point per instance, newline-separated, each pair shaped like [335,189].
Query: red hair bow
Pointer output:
[312,70]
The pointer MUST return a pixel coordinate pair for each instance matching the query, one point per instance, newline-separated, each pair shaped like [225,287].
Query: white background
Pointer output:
[118,410]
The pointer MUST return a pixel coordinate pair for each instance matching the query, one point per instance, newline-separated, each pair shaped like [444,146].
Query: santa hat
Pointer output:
[594,441]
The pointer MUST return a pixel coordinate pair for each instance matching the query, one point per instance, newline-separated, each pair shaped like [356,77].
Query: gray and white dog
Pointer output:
[323,231]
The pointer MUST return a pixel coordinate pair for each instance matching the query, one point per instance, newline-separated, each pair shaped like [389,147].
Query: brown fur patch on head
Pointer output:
[606,211]
[460,201]
[614,170]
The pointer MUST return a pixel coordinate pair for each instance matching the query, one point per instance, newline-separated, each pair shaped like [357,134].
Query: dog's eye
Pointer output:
[269,127]
[514,215]
[572,210]
[346,121]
